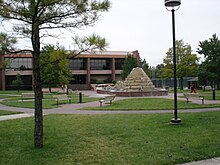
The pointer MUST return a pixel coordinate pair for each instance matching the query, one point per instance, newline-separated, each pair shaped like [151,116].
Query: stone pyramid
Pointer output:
[138,81]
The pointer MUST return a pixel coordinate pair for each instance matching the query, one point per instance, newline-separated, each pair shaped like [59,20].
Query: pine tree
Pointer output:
[17,82]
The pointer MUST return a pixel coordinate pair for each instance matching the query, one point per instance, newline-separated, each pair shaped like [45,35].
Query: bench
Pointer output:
[206,88]
[106,99]
[193,96]
[70,91]
[27,96]
[62,97]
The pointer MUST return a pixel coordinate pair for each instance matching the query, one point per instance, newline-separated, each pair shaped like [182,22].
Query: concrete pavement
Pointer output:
[73,108]
[213,161]
[15,116]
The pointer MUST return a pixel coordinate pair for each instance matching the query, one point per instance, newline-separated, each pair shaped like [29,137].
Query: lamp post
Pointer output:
[173,5]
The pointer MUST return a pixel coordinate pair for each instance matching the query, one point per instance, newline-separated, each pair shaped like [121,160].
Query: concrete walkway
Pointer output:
[16,116]
[213,161]
[72,109]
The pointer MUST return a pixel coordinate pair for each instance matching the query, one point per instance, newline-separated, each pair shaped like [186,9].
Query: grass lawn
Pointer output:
[112,139]
[208,94]
[3,112]
[48,101]
[14,92]
[150,104]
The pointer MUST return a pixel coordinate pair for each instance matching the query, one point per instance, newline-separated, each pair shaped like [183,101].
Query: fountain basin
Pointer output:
[137,84]
[134,94]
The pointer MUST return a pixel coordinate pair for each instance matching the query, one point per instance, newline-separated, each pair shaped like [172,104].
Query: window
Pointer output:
[26,82]
[19,63]
[119,63]
[100,64]
[77,64]
[78,79]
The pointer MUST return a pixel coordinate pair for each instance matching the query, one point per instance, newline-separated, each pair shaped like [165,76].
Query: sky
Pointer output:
[146,26]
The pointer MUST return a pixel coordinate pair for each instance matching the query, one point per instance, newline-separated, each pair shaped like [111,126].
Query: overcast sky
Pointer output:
[146,26]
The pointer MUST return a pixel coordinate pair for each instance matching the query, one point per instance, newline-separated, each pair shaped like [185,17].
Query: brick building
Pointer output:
[86,69]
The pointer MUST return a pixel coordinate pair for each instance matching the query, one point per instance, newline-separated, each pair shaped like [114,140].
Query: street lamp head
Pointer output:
[172,3]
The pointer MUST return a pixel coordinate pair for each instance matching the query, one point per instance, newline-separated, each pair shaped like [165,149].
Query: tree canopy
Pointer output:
[129,63]
[17,82]
[54,66]
[147,69]
[51,14]
[157,71]
[6,43]
[34,19]
[186,61]
[209,69]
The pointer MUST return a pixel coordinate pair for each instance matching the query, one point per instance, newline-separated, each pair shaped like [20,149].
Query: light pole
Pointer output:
[173,5]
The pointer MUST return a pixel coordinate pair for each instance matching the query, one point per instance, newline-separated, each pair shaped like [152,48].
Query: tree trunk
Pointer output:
[38,129]
[181,83]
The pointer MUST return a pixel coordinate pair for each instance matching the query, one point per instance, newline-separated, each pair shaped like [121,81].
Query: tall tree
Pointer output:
[147,69]
[186,62]
[129,64]
[207,73]
[157,71]
[210,70]
[17,82]
[54,66]
[34,16]
[7,44]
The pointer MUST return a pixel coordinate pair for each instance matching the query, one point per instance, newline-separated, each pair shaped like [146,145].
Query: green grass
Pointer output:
[4,112]
[47,104]
[112,139]
[208,94]
[15,92]
[48,101]
[150,104]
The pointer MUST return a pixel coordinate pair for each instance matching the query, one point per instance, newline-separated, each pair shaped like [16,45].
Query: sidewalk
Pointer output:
[214,161]
[16,116]
[73,108]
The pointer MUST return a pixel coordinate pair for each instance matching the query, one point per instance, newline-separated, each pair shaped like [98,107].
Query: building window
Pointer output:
[100,64]
[19,63]
[77,64]
[119,63]
[78,79]
[26,85]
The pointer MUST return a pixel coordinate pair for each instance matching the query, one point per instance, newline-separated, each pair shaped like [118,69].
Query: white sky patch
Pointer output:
[146,26]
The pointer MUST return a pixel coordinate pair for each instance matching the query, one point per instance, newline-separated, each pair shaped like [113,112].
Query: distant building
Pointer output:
[87,69]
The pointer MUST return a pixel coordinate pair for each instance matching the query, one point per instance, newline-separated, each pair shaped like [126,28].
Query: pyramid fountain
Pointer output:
[136,84]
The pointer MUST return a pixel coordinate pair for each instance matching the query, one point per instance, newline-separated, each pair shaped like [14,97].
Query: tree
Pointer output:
[147,69]
[157,71]
[54,66]
[186,62]
[209,69]
[206,73]
[129,64]
[6,45]
[34,16]
[17,82]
